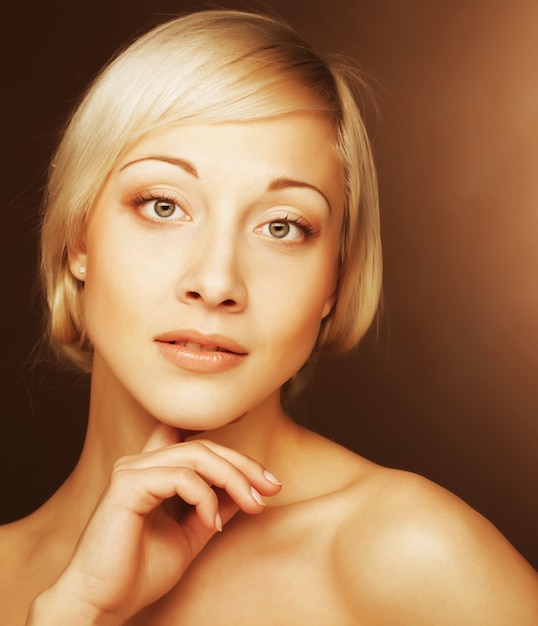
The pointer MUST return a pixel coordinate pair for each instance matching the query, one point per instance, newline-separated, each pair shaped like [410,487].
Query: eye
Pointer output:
[288,229]
[164,208]
[159,207]
[279,229]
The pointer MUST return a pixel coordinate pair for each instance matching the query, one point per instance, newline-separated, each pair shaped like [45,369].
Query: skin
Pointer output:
[336,539]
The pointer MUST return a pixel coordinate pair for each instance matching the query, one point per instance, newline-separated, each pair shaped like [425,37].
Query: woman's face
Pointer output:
[210,262]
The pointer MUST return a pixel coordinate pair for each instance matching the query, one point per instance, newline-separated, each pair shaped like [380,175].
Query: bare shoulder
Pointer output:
[26,567]
[12,549]
[14,561]
[410,552]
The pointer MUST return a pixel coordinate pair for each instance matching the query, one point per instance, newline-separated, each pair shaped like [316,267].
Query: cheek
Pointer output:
[294,310]
[114,289]
[292,340]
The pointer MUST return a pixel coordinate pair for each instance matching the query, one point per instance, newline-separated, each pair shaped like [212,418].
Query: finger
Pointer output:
[227,507]
[242,483]
[196,534]
[204,456]
[162,436]
[140,491]
[263,480]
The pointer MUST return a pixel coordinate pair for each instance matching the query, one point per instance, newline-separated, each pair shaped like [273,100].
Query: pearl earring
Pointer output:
[82,269]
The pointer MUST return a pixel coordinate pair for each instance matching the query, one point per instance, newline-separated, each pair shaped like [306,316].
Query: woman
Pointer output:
[211,223]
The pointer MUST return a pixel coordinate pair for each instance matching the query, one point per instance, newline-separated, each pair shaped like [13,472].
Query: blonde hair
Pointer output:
[209,67]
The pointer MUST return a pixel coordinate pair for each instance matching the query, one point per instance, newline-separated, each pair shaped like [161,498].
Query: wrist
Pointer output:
[52,608]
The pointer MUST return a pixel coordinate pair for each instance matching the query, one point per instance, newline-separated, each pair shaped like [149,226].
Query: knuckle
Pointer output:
[120,474]
[183,474]
[122,463]
[200,445]
[252,466]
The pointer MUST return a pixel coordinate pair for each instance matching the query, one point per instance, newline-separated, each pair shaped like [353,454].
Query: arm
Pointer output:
[133,550]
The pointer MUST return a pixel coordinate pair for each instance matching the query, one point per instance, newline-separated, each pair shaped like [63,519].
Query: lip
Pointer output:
[198,352]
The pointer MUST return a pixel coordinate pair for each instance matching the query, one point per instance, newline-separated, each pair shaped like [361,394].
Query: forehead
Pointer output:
[299,145]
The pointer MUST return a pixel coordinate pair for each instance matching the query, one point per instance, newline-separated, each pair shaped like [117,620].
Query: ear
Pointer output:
[329,304]
[331,298]
[78,259]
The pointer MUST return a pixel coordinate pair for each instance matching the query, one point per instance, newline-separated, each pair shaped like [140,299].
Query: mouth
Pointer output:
[199,347]
[194,341]
[196,352]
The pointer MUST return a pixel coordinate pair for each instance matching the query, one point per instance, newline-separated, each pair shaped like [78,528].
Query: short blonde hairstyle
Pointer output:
[209,67]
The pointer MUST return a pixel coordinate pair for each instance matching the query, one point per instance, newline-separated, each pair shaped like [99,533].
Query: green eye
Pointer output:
[279,229]
[163,208]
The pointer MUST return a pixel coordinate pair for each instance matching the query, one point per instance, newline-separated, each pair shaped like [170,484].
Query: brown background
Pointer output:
[448,389]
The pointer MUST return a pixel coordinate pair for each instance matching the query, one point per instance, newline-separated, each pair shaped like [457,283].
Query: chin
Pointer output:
[197,421]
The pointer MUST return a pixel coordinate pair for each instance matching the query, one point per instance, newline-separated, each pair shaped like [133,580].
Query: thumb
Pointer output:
[162,436]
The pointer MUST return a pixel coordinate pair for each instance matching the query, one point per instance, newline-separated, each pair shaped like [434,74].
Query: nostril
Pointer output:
[196,295]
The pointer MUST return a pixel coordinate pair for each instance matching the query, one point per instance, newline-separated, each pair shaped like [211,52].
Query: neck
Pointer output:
[118,425]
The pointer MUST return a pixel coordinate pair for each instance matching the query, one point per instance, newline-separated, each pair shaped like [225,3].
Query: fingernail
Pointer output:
[271,478]
[218,522]
[257,496]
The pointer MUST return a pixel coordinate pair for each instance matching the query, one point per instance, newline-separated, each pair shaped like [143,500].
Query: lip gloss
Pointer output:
[196,360]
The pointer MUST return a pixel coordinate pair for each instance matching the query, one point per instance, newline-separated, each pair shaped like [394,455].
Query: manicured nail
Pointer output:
[218,522]
[257,496]
[271,478]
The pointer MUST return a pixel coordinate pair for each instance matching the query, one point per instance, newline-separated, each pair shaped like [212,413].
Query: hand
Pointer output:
[133,550]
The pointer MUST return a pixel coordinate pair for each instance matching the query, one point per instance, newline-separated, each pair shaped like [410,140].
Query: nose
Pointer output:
[212,274]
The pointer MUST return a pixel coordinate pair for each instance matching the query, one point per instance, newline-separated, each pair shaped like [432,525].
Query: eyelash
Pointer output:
[139,199]
[301,223]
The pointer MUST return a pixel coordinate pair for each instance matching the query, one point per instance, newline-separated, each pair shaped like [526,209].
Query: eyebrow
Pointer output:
[282,182]
[185,165]
[287,183]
